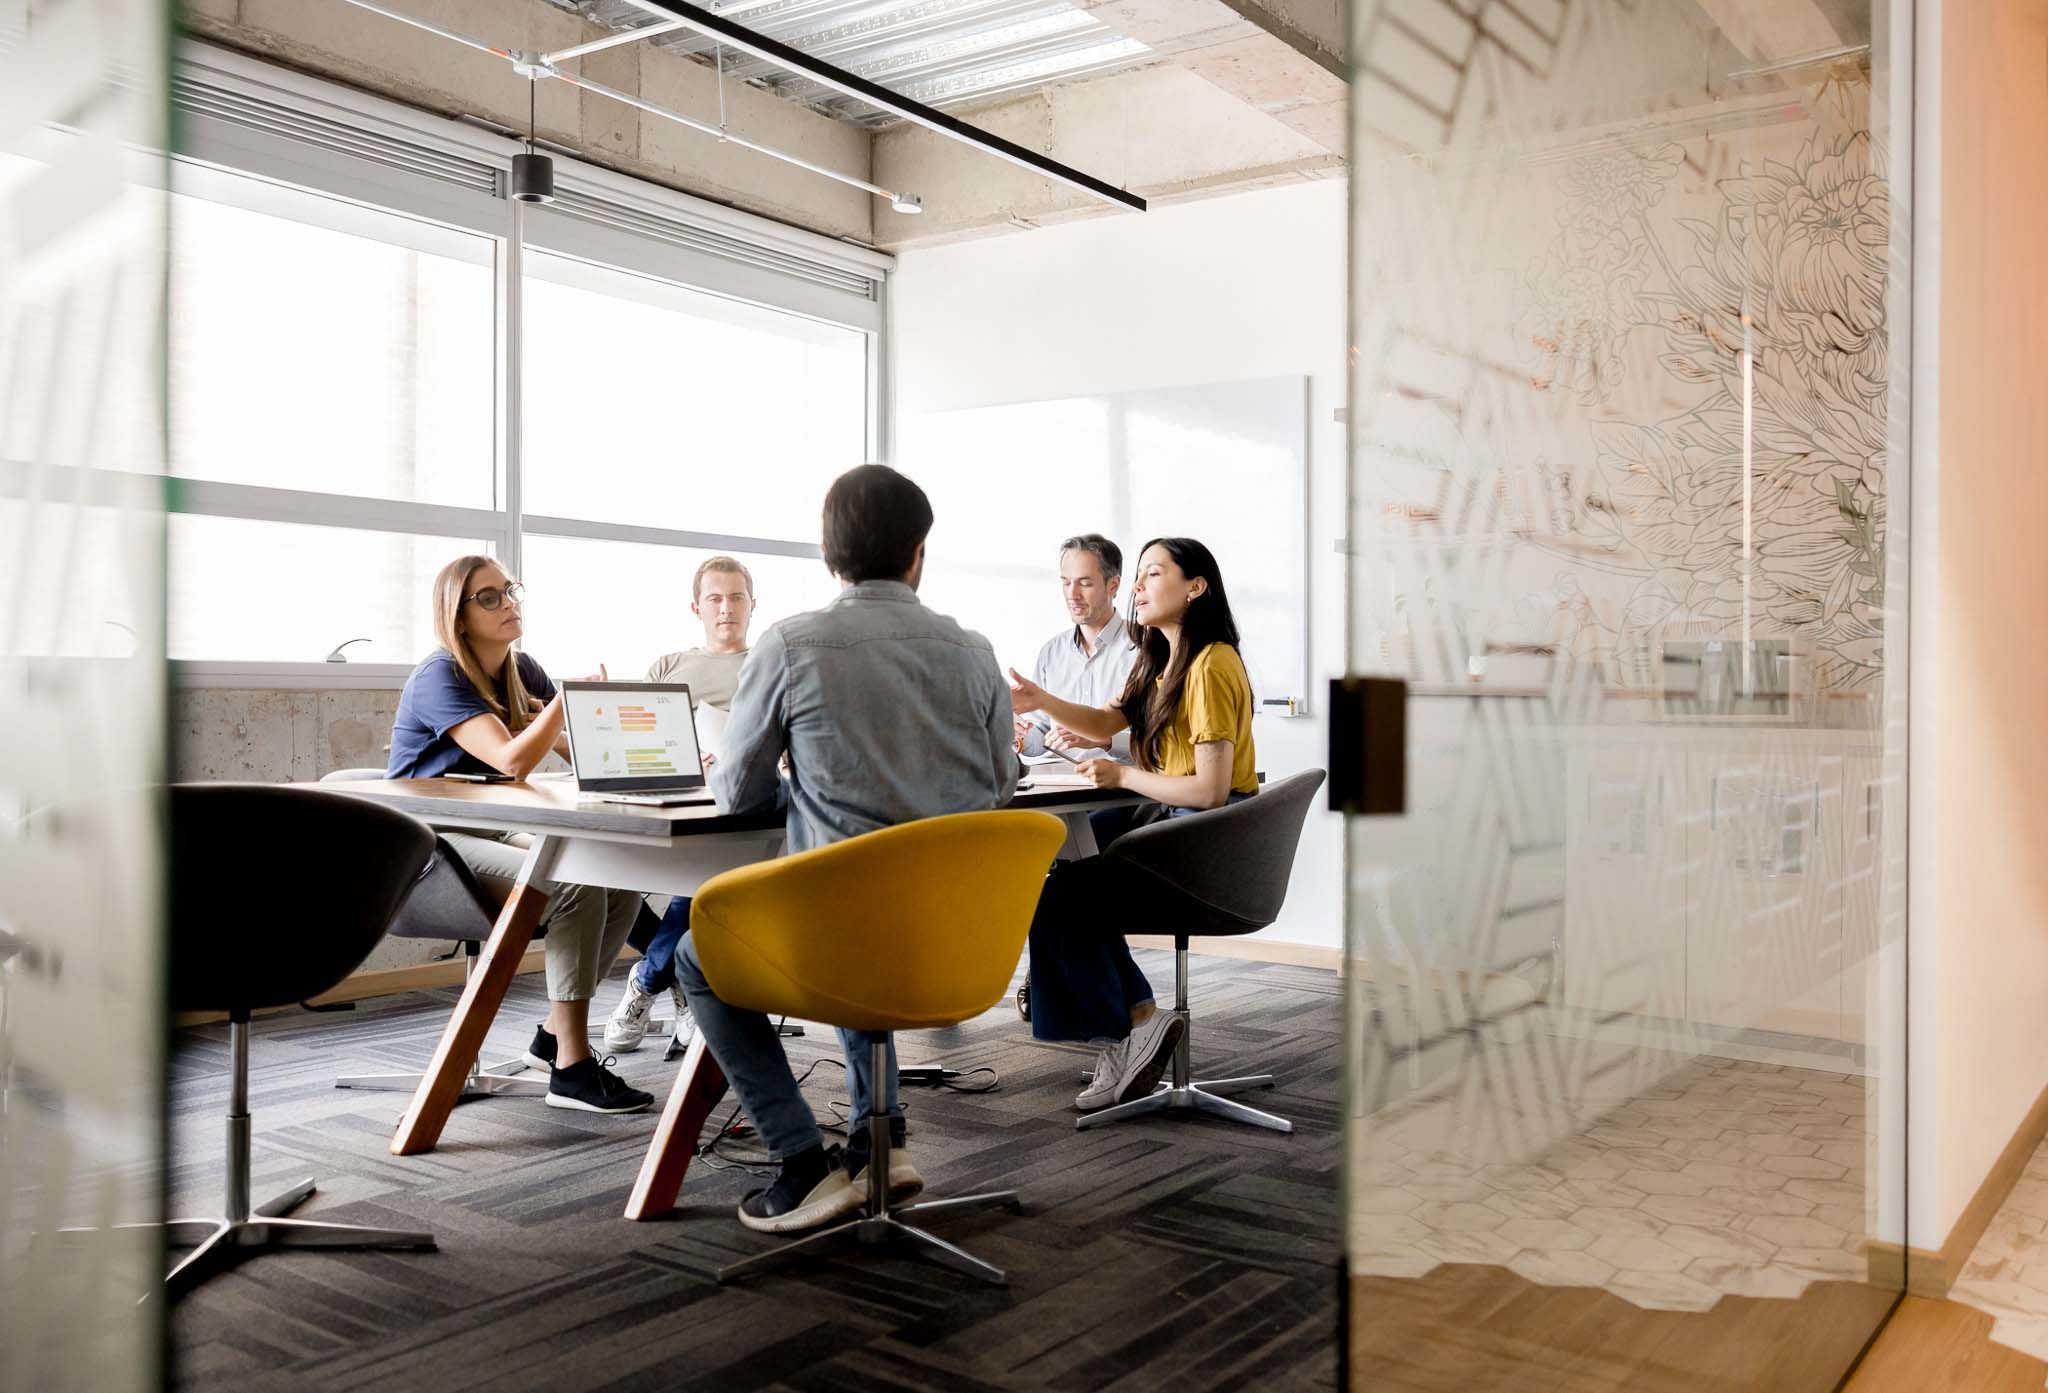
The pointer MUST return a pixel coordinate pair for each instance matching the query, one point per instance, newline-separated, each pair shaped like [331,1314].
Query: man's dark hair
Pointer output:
[1106,553]
[875,519]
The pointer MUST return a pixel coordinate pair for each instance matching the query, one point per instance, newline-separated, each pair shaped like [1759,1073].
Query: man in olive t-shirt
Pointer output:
[722,597]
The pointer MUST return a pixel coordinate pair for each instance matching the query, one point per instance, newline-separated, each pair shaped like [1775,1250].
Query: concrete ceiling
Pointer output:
[1171,99]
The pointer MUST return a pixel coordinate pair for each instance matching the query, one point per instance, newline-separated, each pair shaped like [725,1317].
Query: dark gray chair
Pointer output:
[446,903]
[449,905]
[238,851]
[1224,872]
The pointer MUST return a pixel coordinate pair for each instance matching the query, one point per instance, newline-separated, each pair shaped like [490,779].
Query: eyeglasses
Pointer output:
[491,597]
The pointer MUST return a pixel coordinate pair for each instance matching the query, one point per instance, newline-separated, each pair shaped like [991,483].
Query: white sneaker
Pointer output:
[686,1024]
[1109,1071]
[628,1025]
[905,1184]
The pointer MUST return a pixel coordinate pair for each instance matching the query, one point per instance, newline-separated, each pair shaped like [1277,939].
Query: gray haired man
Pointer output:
[1089,660]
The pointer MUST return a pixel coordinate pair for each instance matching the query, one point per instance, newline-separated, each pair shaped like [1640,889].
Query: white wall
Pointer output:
[1979,868]
[1226,290]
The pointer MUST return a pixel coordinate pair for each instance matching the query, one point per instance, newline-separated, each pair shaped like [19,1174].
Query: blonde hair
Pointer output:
[719,563]
[449,588]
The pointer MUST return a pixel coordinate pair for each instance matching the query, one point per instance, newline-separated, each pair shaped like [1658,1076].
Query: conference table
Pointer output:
[621,846]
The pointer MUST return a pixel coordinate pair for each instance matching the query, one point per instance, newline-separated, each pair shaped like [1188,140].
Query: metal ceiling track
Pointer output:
[671,15]
[732,35]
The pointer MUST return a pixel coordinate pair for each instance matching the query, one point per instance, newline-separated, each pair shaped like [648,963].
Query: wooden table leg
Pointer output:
[463,1039]
[697,1089]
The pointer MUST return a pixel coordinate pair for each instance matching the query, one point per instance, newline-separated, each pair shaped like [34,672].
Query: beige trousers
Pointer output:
[587,924]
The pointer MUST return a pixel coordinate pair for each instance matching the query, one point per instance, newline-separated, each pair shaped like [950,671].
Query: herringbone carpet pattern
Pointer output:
[1181,1253]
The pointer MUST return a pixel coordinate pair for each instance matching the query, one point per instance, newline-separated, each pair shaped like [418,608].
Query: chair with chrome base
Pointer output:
[238,851]
[915,927]
[449,905]
[1222,872]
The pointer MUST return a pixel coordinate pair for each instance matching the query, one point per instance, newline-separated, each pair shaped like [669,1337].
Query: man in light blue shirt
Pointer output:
[885,712]
[1089,661]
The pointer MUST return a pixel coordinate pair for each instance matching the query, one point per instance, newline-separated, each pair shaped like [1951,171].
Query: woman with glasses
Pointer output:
[477,705]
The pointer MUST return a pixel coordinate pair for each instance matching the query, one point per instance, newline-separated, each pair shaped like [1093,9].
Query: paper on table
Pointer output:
[1045,778]
[710,728]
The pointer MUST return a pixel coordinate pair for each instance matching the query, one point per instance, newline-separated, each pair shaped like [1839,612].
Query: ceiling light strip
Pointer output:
[853,85]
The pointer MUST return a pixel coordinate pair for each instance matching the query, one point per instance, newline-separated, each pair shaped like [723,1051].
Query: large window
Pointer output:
[343,400]
[350,358]
[653,404]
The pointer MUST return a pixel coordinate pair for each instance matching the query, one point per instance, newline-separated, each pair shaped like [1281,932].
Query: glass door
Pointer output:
[1627,1020]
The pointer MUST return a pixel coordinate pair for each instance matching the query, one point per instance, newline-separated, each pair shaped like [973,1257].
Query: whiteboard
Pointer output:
[1225,463]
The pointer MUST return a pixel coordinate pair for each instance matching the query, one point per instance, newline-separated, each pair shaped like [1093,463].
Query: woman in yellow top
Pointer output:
[1188,706]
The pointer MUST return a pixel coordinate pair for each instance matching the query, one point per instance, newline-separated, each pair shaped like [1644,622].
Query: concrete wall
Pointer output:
[275,736]
[1980,842]
[1229,289]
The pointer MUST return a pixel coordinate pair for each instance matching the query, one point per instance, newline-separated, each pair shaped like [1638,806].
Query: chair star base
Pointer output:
[1200,1095]
[870,1230]
[879,1223]
[218,1244]
[498,1081]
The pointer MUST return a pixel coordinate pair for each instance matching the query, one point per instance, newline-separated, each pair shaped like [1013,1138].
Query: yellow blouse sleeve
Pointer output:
[1217,697]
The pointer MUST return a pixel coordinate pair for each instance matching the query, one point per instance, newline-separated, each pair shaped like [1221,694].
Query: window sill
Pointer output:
[187,674]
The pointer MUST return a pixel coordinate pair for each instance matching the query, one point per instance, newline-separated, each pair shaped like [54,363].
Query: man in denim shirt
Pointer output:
[886,712]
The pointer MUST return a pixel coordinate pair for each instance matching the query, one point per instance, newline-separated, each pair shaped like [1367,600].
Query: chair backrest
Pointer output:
[1235,860]
[908,928]
[277,893]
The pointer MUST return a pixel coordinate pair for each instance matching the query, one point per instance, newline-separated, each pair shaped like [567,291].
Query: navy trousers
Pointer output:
[1084,981]
[656,970]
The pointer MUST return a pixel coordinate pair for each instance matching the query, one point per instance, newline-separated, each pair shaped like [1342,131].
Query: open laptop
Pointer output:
[634,742]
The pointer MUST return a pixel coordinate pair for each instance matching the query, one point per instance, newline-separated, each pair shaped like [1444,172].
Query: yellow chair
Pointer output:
[909,928]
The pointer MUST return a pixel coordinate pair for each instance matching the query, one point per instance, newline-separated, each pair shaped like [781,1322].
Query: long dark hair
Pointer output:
[1149,703]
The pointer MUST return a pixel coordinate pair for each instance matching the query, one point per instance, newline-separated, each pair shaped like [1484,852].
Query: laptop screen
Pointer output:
[632,737]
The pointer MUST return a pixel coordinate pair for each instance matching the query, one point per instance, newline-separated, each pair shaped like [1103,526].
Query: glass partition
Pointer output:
[82,720]
[1627,1027]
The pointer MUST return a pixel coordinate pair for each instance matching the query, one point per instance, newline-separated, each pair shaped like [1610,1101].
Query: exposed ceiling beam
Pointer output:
[718,27]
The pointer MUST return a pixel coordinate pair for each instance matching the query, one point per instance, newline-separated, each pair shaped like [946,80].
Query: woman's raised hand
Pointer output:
[1026,696]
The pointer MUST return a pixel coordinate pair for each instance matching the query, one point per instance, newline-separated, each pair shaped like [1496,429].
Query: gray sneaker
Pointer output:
[1131,1068]
[1147,1054]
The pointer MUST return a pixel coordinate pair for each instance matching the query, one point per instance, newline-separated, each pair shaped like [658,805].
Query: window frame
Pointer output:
[245,166]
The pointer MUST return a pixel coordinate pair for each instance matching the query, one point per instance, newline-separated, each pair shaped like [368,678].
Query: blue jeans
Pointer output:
[656,970]
[1084,981]
[746,1048]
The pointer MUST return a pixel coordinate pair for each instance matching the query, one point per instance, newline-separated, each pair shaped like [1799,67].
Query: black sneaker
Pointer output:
[811,1190]
[591,1086]
[1024,1000]
[541,1053]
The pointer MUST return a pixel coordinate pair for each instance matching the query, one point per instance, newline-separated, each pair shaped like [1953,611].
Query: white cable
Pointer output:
[533,65]
[463,39]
